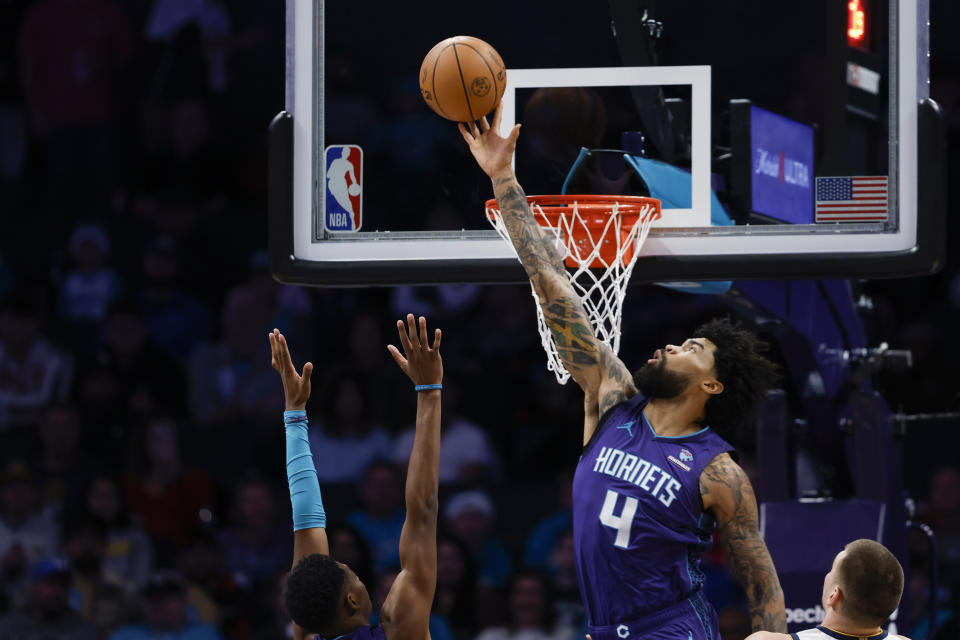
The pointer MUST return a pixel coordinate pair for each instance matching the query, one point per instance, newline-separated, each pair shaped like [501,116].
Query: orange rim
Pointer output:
[554,206]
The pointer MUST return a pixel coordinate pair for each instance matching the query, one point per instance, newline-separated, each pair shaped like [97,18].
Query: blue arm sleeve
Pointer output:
[301,475]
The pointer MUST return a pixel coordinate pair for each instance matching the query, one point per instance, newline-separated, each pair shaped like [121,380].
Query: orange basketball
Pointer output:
[462,78]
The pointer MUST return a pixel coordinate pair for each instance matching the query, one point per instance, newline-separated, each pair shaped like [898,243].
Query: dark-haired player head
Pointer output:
[860,593]
[722,369]
[323,595]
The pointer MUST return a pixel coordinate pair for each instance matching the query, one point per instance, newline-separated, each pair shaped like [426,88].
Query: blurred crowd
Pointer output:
[142,487]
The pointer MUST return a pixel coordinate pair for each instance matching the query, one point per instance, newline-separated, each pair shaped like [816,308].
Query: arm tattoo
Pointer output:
[745,550]
[562,309]
[531,242]
[617,372]
[582,353]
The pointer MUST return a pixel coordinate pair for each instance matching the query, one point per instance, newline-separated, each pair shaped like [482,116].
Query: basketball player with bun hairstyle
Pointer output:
[324,596]
[655,478]
[860,592]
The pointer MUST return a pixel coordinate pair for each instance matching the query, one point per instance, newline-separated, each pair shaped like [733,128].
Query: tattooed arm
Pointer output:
[598,371]
[727,493]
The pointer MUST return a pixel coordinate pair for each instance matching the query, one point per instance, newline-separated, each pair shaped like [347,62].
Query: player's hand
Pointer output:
[423,363]
[296,387]
[493,152]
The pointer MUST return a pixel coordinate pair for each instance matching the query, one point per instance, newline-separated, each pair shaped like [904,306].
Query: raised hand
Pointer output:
[493,152]
[296,387]
[423,363]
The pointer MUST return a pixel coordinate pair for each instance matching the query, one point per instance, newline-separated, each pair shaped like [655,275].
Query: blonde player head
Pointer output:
[860,592]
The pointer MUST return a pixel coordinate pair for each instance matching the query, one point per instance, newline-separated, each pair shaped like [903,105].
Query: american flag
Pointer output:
[852,199]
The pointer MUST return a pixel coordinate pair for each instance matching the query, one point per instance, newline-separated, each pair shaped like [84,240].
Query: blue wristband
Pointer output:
[427,387]
[290,417]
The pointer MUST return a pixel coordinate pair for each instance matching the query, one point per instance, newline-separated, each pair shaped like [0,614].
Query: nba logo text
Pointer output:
[343,200]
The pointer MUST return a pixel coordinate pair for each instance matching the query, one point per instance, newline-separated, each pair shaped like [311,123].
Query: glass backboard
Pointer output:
[784,139]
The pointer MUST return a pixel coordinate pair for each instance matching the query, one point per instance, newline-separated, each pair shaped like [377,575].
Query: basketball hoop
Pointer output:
[599,237]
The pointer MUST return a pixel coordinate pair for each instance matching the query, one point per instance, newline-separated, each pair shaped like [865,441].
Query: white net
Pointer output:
[605,254]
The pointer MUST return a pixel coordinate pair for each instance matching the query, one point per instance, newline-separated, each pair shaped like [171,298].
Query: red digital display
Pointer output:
[857,24]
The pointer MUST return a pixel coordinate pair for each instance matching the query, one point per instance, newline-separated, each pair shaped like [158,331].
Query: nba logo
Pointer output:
[685,455]
[344,187]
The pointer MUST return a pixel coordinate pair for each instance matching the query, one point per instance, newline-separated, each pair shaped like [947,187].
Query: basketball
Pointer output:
[354,189]
[462,78]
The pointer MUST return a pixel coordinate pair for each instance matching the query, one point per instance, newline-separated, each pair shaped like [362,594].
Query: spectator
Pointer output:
[96,597]
[33,373]
[348,441]
[542,541]
[942,512]
[351,114]
[456,587]
[443,301]
[70,52]
[26,536]
[47,613]
[6,276]
[364,352]
[348,546]
[292,306]
[271,621]
[169,18]
[13,134]
[129,554]
[171,499]
[64,469]
[530,610]
[165,604]
[185,171]
[102,407]
[213,596]
[568,609]
[88,288]
[259,543]
[177,320]
[466,455]
[381,519]
[230,379]
[152,381]
[469,515]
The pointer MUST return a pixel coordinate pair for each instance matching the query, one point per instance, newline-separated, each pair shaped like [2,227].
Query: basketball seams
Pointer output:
[493,75]
[433,79]
[466,93]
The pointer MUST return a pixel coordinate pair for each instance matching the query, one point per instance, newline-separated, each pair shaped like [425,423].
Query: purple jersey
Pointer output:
[638,524]
[372,632]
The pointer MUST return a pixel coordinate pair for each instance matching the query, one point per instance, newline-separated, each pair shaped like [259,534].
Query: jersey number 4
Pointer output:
[621,522]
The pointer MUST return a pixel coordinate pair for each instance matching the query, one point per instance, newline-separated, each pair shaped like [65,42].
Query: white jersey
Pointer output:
[824,633]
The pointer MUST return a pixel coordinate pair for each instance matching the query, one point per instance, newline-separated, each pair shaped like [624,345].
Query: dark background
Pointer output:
[134,306]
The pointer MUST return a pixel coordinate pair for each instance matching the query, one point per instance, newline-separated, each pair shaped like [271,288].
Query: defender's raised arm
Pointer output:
[406,611]
[309,517]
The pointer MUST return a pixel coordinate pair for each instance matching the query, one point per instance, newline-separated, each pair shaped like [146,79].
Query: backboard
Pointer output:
[784,139]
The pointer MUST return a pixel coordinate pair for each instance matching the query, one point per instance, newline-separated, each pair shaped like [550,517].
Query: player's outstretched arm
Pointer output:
[406,610]
[728,494]
[309,517]
[594,366]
